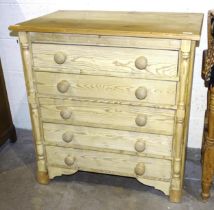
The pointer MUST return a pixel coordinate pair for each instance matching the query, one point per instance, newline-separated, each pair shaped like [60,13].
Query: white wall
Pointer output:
[13,11]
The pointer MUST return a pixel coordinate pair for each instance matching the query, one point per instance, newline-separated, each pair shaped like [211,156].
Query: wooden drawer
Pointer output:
[138,91]
[107,140]
[110,163]
[121,117]
[113,61]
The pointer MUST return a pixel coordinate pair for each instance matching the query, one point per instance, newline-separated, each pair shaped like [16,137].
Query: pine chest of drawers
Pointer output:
[109,92]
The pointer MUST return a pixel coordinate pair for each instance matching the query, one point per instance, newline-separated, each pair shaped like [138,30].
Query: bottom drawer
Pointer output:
[109,163]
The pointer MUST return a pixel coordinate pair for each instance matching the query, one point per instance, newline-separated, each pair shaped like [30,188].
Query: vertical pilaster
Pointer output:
[184,61]
[42,174]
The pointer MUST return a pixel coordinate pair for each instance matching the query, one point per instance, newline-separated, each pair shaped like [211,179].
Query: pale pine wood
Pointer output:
[110,41]
[157,184]
[116,141]
[114,116]
[42,174]
[142,24]
[110,163]
[162,64]
[188,102]
[93,109]
[107,88]
[181,115]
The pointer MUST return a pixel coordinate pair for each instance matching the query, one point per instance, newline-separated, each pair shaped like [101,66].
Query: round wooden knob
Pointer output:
[140,146]
[141,93]
[140,169]
[141,120]
[65,114]
[59,57]
[141,62]
[69,160]
[63,86]
[67,137]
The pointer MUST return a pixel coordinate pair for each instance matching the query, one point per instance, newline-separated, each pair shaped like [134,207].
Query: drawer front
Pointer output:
[121,117]
[107,140]
[110,163]
[108,88]
[115,61]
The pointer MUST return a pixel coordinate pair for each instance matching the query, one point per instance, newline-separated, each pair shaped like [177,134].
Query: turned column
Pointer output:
[42,174]
[181,114]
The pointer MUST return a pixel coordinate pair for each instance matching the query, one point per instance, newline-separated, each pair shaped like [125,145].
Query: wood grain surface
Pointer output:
[109,92]
[108,140]
[107,88]
[146,24]
[114,116]
[162,64]
[109,163]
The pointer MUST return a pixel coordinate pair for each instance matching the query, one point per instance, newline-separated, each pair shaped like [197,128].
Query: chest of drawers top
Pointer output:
[137,24]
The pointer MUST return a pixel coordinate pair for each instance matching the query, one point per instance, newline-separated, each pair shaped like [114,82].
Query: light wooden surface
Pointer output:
[181,115]
[104,40]
[142,24]
[111,88]
[114,104]
[115,116]
[164,186]
[106,61]
[25,45]
[110,163]
[188,99]
[117,141]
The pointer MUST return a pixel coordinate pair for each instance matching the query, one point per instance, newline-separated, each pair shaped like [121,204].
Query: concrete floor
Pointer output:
[85,191]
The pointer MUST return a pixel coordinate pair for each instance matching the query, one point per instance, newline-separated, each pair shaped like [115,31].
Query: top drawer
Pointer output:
[114,61]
